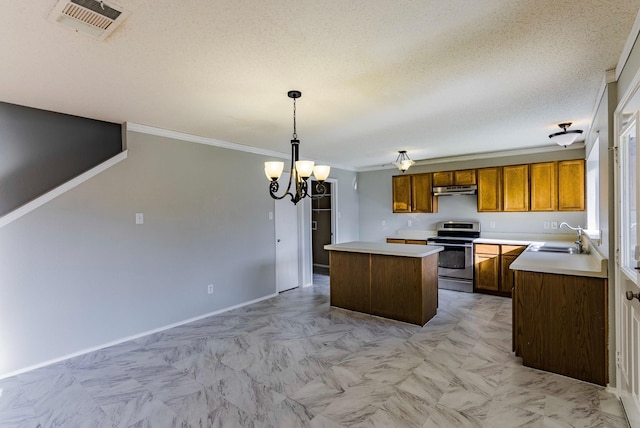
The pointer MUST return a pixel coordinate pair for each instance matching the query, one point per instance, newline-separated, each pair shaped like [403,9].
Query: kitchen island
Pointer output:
[396,281]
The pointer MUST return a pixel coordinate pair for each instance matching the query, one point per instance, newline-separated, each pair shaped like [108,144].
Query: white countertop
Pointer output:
[593,264]
[401,250]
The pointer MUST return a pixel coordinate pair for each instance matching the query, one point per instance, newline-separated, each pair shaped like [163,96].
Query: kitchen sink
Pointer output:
[553,249]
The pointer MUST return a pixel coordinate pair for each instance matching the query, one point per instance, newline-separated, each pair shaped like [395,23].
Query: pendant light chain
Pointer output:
[295,134]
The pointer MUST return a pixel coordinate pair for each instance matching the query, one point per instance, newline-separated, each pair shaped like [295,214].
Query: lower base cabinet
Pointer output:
[491,268]
[560,324]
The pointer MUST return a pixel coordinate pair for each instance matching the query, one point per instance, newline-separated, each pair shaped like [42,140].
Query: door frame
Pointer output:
[630,405]
[307,249]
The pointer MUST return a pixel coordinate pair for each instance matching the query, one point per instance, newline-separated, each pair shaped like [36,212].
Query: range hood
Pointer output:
[455,190]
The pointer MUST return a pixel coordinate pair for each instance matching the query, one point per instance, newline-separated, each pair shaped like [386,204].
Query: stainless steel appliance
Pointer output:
[455,190]
[455,262]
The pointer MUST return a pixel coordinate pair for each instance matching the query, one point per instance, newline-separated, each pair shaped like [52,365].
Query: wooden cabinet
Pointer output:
[491,267]
[571,185]
[490,189]
[487,267]
[406,241]
[560,324]
[401,193]
[515,188]
[395,241]
[422,199]
[442,178]
[413,194]
[508,253]
[544,186]
[400,288]
[465,177]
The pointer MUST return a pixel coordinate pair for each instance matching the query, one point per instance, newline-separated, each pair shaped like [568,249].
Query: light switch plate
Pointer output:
[139,218]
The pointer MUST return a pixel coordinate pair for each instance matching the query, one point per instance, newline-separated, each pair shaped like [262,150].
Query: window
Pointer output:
[628,200]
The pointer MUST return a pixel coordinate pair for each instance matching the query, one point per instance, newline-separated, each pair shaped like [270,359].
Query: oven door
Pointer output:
[456,261]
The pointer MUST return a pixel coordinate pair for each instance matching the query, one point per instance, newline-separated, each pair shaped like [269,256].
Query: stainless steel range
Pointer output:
[455,262]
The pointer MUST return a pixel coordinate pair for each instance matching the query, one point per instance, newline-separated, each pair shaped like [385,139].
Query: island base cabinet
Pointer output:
[350,281]
[409,299]
[560,324]
[399,288]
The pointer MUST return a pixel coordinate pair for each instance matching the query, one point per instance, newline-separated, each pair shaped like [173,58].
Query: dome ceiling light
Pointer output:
[403,162]
[565,138]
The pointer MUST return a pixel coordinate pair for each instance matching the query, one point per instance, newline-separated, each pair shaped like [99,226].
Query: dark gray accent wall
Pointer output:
[40,150]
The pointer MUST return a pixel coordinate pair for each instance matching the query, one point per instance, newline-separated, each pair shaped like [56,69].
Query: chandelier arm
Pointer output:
[321,191]
[273,189]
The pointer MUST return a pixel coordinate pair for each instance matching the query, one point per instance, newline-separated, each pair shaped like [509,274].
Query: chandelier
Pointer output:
[300,170]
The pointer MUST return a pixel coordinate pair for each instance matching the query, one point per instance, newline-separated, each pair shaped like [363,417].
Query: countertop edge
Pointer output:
[399,250]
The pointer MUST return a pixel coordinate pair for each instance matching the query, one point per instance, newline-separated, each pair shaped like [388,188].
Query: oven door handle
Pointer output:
[450,245]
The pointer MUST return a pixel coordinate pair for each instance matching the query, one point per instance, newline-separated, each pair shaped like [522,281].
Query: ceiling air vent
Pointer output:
[96,19]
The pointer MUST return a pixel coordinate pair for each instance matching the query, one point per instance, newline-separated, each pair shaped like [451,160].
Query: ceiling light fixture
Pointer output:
[565,138]
[300,170]
[403,162]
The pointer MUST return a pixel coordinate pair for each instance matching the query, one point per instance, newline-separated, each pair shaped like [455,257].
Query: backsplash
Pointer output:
[378,222]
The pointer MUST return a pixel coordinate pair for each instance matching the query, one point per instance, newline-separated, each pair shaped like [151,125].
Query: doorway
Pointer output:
[627,254]
[322,226]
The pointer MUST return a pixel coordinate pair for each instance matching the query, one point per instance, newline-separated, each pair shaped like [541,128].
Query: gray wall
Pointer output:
[376,197]
[78,272]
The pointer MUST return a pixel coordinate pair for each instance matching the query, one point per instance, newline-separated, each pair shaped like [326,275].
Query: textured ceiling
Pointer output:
[435,78]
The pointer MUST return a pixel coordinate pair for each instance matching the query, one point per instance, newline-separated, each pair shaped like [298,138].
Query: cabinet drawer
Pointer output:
[512,250]
[395,241]
[487,249]
[415,241]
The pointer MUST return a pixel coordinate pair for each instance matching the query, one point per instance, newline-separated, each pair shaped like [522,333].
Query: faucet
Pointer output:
[579,231]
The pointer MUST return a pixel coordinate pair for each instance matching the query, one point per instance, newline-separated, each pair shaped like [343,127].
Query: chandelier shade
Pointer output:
[565,138]
[301,170]
[403,162]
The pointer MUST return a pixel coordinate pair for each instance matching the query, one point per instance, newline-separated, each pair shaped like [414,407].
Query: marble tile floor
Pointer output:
[292,361]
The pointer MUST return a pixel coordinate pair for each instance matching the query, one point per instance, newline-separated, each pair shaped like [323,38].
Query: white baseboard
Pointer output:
[128,338]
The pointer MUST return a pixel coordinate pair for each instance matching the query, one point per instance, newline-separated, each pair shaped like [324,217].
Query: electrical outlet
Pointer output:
[210,289]
[383,223]
[492,225]
[554,225]
[547,225]
[409,223]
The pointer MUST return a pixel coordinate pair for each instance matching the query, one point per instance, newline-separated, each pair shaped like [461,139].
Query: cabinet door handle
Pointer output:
[630,295]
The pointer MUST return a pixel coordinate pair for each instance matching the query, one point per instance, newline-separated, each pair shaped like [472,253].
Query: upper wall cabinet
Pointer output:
[465,177]
[413,194]
[422,199]
[515,188]
[544,186]
[401,193]
[571,185]
[490,189]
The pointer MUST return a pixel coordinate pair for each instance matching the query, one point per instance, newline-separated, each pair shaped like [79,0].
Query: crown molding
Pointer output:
[484,155]
[152,130]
